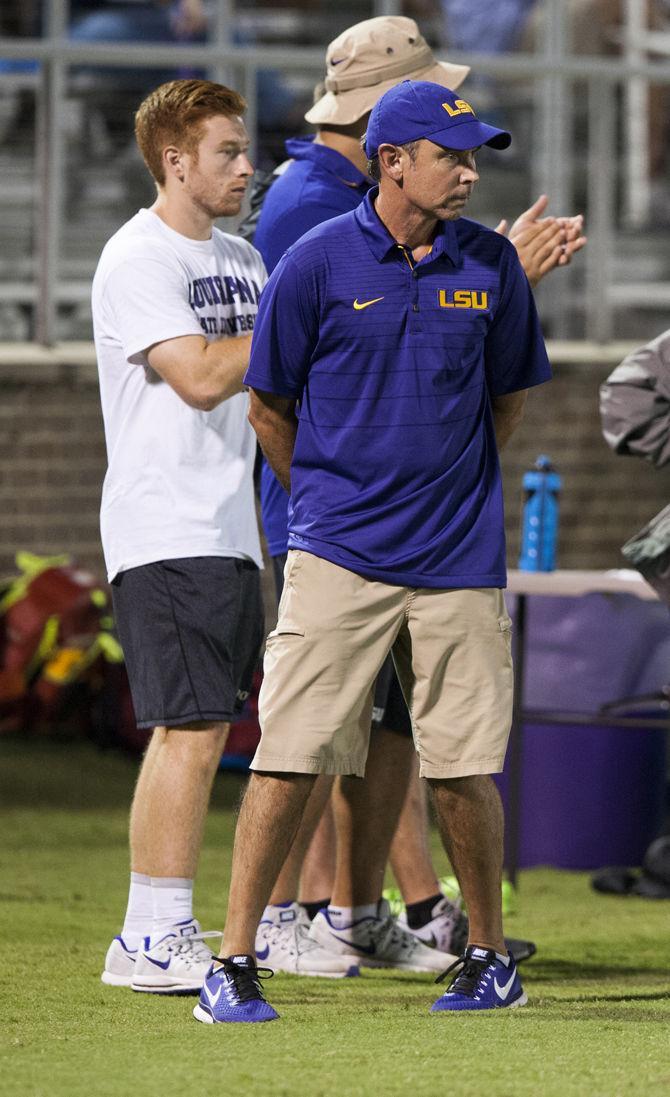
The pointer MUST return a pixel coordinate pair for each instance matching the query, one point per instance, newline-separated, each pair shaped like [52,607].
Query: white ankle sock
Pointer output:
[172,899]
[344,916]
[139,912]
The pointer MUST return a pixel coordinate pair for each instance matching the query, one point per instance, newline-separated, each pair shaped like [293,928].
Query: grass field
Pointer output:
[598,1022]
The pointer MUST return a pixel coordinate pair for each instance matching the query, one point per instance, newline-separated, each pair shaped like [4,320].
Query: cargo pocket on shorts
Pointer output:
[286,630]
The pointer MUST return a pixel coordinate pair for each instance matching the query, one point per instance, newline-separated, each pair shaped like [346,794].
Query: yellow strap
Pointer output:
[45,648]
[67,664]
[31,566]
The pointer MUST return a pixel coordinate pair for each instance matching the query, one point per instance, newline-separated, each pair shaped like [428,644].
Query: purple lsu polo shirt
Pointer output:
[395,472]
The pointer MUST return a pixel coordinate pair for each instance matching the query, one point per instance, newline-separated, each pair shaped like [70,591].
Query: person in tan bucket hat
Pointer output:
[368,59]
[327,176]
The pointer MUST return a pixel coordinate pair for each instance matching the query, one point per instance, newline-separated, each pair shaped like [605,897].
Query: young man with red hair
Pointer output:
[174,304]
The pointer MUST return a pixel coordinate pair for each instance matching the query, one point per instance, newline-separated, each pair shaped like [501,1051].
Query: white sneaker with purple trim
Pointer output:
[175,963]
[284,943]
[378,942]
[119,964]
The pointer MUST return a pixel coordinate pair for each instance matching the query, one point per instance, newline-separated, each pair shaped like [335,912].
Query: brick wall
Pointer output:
[605,498]
[52,462]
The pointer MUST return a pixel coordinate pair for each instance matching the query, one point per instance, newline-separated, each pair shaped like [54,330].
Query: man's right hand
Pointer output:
[203,374]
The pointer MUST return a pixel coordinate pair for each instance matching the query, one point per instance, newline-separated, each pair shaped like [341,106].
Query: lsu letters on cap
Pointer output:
[415,109]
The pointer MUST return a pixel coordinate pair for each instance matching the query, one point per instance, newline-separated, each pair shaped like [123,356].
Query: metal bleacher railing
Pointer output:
[587,146]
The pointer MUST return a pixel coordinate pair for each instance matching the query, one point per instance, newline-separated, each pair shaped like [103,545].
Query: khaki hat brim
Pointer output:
[348,106]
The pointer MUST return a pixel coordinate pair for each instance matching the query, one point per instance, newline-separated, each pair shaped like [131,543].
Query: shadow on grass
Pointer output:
[596,1011]
[581,971]
[628,996]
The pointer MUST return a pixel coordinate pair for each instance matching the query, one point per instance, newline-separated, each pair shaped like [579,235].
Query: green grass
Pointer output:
[598,1021]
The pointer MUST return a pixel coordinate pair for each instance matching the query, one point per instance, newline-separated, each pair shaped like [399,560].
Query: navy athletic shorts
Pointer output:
[191,631]
[389,709]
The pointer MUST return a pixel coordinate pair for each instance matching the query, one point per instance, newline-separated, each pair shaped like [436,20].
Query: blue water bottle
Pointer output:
[540,517]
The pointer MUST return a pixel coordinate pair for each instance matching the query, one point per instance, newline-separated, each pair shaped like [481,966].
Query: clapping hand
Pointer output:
[543,243]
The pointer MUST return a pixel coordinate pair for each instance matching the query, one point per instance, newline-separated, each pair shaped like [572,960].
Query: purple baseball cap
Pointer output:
[415,109]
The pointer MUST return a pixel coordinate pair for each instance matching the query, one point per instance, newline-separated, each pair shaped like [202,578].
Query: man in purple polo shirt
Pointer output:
[327,176]
[407,336]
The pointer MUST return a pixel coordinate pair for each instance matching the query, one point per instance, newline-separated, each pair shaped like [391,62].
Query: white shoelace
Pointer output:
[293,937]
[191,949]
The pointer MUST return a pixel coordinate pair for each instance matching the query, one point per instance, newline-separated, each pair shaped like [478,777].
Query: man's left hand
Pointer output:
[543,243]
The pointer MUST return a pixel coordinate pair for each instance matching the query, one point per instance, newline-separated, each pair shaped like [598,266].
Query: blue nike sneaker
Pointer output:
[232,992]
[482,981]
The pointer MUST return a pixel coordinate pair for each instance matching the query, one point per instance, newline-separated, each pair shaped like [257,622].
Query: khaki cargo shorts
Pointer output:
[451,648]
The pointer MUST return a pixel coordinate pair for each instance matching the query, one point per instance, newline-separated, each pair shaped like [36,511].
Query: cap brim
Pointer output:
[470,135]
[348,106]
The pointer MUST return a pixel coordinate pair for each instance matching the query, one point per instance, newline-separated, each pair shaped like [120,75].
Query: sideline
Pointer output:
[34,362]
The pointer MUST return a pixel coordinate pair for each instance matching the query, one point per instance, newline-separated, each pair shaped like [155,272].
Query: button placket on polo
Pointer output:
[413,288]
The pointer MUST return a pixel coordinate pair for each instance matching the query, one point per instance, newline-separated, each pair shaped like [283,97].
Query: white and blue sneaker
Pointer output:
[284,943]
[482,981]
[377,941]
[447,929]
[175,963]
[119,964]
[232,992]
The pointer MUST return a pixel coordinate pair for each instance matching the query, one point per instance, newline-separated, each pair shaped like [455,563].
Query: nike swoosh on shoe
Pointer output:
[262,954]
[213,998]
[369,950]
[164,964]
[503,991]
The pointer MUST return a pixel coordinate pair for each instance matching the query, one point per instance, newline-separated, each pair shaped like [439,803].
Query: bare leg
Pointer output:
[411,860]
[167,817]
[366,814]
[140,809]
[269,819]
[288,882]
[470,818]
[318,869]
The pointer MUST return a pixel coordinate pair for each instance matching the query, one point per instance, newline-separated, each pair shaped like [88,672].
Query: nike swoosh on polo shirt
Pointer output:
[358,305]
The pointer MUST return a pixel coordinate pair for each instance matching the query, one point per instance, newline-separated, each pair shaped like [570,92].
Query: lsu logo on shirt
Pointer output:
[463,299]
[459,107]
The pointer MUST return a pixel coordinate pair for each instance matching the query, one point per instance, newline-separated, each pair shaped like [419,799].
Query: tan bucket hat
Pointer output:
[371,57]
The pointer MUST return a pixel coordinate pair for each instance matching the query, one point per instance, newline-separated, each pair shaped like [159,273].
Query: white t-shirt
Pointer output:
[179,481]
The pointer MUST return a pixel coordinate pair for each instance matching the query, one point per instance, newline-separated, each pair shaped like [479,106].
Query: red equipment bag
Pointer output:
[55,641]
